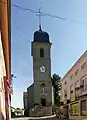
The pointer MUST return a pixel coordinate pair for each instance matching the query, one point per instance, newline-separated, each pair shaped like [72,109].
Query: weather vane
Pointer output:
[39,15]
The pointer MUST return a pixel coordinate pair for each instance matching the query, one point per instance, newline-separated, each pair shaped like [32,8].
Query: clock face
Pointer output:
[42,69]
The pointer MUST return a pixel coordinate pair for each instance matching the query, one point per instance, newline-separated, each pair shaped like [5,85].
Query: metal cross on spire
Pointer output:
[39,15]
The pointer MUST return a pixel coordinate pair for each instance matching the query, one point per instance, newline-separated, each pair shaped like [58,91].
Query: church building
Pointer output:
[40,93]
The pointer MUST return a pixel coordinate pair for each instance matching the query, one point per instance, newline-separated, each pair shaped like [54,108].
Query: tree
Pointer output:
[56,83]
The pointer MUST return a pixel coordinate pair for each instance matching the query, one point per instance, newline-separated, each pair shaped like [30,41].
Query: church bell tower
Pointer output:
[41,53]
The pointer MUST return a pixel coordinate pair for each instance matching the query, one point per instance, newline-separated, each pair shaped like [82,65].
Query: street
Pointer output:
[21,118]
[36,118]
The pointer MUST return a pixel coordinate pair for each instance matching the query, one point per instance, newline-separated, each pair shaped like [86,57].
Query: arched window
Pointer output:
[41,52]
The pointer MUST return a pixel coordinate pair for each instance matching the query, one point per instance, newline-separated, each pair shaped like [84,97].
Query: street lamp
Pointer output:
[11,83]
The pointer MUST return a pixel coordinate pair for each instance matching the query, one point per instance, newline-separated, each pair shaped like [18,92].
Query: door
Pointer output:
[43,102]
[66,111]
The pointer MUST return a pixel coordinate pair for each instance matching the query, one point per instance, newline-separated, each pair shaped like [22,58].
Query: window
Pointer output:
[71,87]
[41,52]
[71,76]
[77,92]
[83,107]
[83,83]
[86,83]
[65,93]
[77,72]
[72,97]
[65,82]
[77,84]
[84,65]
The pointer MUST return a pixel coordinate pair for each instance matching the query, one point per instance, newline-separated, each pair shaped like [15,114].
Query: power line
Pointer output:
[19,7]
[53,16]
[44,14]
[27,9]
[47,14]
[22,33]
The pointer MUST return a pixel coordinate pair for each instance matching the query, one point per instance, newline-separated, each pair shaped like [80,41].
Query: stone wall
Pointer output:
[30,97]
[46,111]
[40,111]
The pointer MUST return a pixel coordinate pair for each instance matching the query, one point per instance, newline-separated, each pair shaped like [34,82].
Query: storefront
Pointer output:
[74,109]
[78,109]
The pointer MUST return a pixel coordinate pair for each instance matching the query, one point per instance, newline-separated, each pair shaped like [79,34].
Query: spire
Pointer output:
[39,15]
[39,19]
[40,28]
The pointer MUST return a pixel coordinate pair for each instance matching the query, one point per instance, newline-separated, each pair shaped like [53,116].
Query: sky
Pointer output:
[68,37]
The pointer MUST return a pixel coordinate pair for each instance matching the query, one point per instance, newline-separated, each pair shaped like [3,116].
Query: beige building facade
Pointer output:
[74,90]
[2,90]
[5,59]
